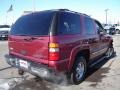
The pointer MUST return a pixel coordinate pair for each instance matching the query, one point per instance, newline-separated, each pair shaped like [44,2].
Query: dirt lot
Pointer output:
[104,76]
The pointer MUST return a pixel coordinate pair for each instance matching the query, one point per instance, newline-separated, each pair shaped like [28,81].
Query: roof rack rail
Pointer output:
[68,10]
[74,12]
[85,15]
[64,9]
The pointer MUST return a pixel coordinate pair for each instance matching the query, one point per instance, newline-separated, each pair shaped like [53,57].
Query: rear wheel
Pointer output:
[79,70]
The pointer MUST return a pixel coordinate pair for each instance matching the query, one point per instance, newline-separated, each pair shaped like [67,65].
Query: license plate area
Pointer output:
[24,64]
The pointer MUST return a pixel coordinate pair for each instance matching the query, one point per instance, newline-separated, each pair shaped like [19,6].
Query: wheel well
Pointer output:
[111,44]
[85,53]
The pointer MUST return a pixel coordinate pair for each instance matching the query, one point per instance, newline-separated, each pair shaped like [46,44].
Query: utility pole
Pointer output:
[6,18]
[106,12]
[34,6]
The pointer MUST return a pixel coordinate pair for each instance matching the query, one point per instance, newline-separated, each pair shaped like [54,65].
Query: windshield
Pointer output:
[33,24]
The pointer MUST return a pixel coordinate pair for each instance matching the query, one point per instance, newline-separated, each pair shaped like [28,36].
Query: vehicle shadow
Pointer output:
[5,68]
[33,85]
[96,73]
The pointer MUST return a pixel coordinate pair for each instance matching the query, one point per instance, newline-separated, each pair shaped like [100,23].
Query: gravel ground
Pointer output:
[104,76]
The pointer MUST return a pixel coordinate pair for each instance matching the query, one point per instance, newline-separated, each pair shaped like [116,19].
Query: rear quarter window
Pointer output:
[69,23]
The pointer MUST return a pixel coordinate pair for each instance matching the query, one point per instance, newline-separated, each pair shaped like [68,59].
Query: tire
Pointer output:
[118,31]
[20,72]
[79,70]
[109,52]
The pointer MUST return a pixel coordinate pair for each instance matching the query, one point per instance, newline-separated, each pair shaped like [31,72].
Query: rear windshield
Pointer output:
[33,24]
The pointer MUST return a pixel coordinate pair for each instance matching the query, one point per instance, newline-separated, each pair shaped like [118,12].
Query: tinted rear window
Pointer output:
[33,24]
[69,23]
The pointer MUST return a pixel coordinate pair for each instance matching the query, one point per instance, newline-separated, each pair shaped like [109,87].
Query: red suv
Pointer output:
[47,42]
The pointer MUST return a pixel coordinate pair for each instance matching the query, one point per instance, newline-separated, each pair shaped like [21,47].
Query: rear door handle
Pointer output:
[94,40]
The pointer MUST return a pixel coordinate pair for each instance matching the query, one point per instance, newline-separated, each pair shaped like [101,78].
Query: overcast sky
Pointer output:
[94,8]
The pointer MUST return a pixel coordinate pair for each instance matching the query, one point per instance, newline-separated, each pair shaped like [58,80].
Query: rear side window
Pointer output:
[33,24]
[89,25]
[69,23]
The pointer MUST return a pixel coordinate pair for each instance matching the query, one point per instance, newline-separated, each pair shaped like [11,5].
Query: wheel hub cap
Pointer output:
[80,70]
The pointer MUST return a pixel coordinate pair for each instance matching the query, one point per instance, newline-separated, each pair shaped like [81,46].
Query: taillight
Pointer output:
[54,51]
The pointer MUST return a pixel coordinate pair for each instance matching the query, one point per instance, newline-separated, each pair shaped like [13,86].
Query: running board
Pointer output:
[97,61]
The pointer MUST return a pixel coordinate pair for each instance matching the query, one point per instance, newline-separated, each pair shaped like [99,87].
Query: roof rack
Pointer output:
[63,9]
[73,12]
[85,14]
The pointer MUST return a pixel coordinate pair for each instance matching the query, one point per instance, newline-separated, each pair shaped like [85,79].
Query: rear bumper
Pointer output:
[36,69]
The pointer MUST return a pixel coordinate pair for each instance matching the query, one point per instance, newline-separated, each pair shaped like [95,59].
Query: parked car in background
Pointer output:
[112,31]
[4,31]
[118,29]
[48,42]
[106,28]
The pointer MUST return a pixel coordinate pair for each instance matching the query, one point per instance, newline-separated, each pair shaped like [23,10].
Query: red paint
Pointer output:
[69,46]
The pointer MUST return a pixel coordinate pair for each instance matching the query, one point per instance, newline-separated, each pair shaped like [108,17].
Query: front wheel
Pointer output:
[79,70]
[109,52]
